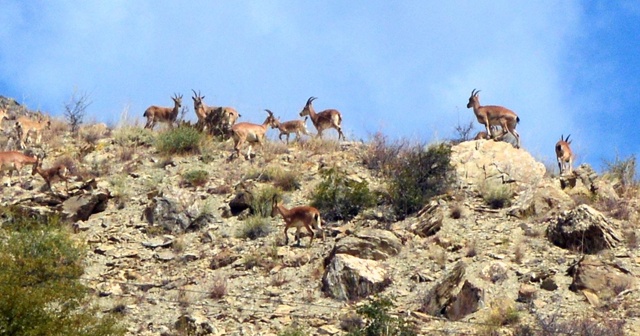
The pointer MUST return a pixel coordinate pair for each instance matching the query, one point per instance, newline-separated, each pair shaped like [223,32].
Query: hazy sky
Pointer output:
[405,68]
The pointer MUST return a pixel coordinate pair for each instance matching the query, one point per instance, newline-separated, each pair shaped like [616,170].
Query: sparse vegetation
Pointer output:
[218,288]
[261,202]
[294,330]
[255,227]
[338,197]
[418,175]
[195,177]
[180,140]
[75,109]
[496,195]
[624,172]
[379,321]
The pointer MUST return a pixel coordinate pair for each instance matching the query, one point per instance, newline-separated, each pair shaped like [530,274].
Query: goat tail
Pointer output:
[318,220]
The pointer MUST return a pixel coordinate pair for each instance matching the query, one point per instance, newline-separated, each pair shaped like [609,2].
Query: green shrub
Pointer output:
[417,175]
[340,198]
[261,201]
[40,288]
[255,227]
[196,177]
[380,323]
[179,140]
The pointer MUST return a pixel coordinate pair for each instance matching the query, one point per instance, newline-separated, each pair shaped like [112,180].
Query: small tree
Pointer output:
[75,109]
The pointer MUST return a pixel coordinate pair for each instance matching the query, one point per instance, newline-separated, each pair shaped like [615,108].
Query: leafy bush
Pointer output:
[40,288]
[381,155]
[380,322]
[417,175]
[340,198]
[294,330]
[196,178]
[255,227]
[179,140]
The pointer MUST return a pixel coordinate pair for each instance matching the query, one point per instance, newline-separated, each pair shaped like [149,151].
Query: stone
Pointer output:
[584,229]
[350,278]
[372,244]
[603,279]
[81,207]
[479,162]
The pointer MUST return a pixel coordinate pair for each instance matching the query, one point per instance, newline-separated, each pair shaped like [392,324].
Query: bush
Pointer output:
[261,201]
[129,136]
[40,288]
[179,140]
[417,175]
[340,198]
[255,227]
[380,323]
[497,196]
[294,330]
[623,170]
[196,178]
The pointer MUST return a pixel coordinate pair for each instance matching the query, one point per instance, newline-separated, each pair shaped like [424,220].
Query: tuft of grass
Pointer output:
[195,178]
[128,136]
[181,140]
[218,288]
[261,201]
[380,321]
[294,330]
[496,196]
[255,227]
[624,171]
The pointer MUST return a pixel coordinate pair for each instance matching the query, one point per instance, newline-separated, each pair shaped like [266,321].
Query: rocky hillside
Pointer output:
[168,253]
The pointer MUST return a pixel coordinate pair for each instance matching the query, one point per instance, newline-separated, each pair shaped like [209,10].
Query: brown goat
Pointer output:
[564,154]
[297,217]
[322,120]
[15,161]
[251,133]
[28,129]
[49,175]
[163,114]
[217,118]
[292,126]
[491,115]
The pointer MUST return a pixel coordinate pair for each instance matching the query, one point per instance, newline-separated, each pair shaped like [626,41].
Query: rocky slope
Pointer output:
[165,254]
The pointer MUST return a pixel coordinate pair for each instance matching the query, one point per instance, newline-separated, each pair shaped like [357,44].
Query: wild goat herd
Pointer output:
[222,121]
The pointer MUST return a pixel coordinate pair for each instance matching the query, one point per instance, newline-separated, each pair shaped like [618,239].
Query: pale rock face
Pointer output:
[477,162]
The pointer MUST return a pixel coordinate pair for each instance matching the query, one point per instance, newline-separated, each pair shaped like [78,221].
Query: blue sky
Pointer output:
[405,68]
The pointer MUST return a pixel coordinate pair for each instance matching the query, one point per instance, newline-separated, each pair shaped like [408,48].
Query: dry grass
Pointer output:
[320,146]
[218,288]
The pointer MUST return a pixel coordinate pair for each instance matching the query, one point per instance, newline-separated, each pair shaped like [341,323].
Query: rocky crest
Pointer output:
[161,250]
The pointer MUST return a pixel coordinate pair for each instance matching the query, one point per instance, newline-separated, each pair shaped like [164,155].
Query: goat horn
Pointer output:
[567,138]
[270,113]
[473,92]
[194,92]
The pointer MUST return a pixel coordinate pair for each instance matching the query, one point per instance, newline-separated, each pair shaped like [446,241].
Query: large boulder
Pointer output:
[174,216]
[80,207]
[478,162]
[583,228]
[599,280]
[350,278]
[372,244]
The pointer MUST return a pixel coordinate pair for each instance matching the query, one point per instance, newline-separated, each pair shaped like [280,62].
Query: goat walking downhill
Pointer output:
[50,174]
[163,114]
[330,118]
[298,217]
[492,115]
[564,154]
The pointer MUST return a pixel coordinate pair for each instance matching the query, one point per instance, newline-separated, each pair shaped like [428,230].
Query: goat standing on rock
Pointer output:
[297,217]
[491,115]
[564,154]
